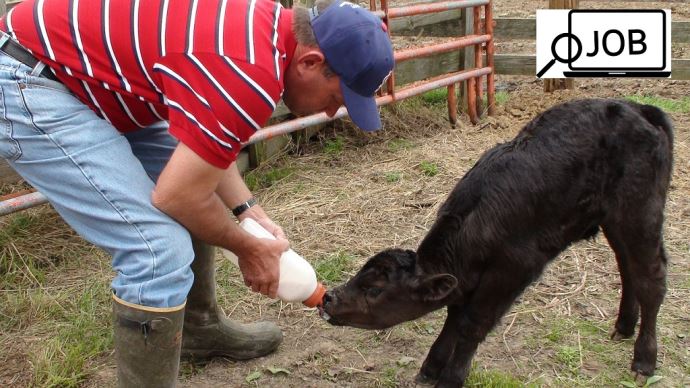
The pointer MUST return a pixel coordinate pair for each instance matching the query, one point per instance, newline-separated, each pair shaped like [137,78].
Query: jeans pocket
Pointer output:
[9,147]
[50,106]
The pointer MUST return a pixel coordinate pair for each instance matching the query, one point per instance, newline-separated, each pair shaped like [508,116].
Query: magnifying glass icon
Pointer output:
[557,57]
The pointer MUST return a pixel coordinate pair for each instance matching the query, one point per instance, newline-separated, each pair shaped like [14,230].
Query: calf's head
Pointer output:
[388,290]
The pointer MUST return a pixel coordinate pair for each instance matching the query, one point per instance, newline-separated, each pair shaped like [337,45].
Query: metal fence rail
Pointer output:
[473,77]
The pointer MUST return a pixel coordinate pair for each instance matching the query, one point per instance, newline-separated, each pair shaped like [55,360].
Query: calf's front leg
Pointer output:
[474,321]
[457,368]
[442,349]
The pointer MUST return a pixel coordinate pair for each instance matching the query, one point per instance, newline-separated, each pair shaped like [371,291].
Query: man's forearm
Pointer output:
[231,189]
[186,191]
[208,220]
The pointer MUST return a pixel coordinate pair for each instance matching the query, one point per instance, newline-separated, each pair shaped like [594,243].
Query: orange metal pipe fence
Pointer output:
[11,204]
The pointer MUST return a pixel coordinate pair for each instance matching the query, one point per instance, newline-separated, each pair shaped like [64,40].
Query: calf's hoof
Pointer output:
[424,380]
[640,379]
[449,384]
[618,335]
[642,370]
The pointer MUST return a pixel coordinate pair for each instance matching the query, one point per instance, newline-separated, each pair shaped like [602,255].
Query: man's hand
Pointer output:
[259,261]
[257,213]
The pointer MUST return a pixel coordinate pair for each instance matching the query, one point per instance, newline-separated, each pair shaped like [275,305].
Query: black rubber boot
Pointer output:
[207,332]
[147,344]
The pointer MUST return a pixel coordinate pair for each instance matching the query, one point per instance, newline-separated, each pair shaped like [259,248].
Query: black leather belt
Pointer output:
[18,52]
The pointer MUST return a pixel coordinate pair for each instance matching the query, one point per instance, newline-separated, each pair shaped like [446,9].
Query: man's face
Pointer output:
[309,91]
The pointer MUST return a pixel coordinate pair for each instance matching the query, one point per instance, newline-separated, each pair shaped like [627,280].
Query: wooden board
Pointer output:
[436,24]
[680,69]
[514,28]
[680,32]
[421,68]
[526,28]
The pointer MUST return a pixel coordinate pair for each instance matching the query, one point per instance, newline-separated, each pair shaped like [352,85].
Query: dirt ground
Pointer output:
[371,192]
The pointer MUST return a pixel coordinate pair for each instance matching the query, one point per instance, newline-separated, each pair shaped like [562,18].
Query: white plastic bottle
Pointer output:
[297,281]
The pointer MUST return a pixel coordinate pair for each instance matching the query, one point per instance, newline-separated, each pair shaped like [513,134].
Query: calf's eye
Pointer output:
[374,292]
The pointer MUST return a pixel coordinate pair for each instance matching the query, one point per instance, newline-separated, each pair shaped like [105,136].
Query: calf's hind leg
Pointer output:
[629,308]
[641,244]
[651,277]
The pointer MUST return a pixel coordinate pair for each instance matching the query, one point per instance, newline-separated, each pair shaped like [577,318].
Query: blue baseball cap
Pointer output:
[357,48]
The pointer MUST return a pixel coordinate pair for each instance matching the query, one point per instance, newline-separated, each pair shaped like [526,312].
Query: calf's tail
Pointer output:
[659,119]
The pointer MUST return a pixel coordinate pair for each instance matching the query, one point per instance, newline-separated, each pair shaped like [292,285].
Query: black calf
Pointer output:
[577,167]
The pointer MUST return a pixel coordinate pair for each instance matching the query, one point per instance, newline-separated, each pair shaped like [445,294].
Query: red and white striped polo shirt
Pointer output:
[212,68]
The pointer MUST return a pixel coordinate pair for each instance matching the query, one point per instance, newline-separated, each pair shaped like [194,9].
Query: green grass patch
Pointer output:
[428,168]
[494,379]
[393,176]
[436,96]
[440,97]
[555,335]
[63,327]
[16,268]
[569,356]
[259,179]
[16,226]
[398,144]
[334,147]
[559,330]
[230,284]
[501,97]
[77,330]
[669,105]
[332,269]
[649,382]
[389,377]
[299,188]
[588,328]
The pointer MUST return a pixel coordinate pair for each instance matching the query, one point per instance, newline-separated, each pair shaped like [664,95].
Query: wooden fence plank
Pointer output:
[515,28]
[680,69]
[446,24]
[526,28]
[680,32]
[437,24]
[511,64]
[421,68]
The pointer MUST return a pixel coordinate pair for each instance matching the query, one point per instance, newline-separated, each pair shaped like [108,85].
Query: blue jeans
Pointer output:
[99,180]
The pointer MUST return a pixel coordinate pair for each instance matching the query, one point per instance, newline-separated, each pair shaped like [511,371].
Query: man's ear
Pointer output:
[311,59]
[434,288]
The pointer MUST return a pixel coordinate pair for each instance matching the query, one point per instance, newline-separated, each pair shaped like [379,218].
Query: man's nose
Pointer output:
[332,110]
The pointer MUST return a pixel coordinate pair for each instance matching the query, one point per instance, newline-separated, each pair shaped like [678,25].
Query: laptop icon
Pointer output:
[619,43]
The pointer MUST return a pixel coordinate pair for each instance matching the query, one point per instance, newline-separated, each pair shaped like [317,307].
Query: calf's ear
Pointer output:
[436,287]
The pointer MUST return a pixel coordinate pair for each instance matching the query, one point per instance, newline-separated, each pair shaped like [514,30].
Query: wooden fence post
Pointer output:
[560,83]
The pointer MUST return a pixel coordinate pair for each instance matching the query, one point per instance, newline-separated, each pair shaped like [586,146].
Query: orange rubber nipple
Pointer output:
[316,298]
